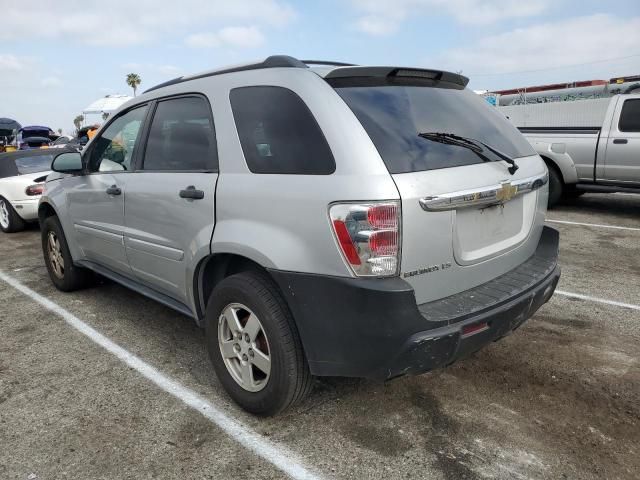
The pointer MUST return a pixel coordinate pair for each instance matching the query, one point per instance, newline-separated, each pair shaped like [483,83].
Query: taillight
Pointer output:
[368,235]
[35,189]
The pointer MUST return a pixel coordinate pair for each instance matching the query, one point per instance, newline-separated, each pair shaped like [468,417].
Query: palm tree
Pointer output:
[78,122]
[133,80]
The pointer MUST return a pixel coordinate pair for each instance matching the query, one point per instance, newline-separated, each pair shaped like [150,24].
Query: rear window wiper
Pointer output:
[476,146]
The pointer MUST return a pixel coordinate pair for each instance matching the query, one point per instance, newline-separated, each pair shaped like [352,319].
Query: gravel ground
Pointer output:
[560,398]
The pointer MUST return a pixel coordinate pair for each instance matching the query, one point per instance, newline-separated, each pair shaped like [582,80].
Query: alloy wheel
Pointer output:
[55,254]
[4,214]
[244,347]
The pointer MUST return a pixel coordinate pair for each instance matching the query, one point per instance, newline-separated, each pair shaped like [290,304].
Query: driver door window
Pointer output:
[113,151]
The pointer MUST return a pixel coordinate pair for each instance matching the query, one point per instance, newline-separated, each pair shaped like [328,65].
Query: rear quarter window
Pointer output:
[278,132]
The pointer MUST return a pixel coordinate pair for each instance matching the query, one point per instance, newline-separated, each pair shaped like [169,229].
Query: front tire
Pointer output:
[63,273]
[10,221]
[254,345]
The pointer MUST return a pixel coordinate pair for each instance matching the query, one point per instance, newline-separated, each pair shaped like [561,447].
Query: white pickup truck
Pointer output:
[588,145]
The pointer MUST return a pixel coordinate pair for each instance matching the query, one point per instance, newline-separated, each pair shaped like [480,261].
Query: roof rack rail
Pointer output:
[274,61]
[328,62]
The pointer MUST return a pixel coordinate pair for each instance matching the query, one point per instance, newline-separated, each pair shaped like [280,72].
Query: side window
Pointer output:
[630,116]
[114,149]
[278,133]
[181,137]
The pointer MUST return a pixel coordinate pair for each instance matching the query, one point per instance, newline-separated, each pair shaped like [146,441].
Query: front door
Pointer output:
[623,145]
[96,200]
[170,211]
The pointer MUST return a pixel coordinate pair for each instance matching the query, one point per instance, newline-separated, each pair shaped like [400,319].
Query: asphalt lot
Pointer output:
[560,398]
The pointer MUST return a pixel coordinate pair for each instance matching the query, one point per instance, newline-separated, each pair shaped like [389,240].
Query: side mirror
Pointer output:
[67,162]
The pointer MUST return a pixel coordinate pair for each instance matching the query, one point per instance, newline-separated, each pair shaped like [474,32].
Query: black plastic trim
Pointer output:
[274,61]
[138,287]
[570,130]
[328,62]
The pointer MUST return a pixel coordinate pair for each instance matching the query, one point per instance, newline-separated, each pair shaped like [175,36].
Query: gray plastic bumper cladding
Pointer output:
[373,328]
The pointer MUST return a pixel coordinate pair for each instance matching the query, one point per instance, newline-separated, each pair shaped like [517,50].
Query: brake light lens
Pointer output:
[368,235]
[35,189]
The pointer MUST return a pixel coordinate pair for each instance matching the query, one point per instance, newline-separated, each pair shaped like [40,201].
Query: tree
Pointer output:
[78,121]
[133,80]
[59,131]
[105,115]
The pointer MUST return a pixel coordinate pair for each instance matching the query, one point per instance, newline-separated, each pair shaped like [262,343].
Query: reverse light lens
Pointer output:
[35,189]
[368,235]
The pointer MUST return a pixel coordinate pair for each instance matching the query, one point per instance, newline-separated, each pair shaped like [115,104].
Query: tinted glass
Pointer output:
[7,166]
[40,163]
[630,116]
[181,137]
[278,132]
[114,149]
[393,116]
[61,141]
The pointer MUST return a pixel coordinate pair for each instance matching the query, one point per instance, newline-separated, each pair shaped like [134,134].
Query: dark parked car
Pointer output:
[35,136]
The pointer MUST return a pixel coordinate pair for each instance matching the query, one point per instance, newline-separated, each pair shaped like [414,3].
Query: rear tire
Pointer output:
[556,186]
[63,273]
[10,221]
[242,296]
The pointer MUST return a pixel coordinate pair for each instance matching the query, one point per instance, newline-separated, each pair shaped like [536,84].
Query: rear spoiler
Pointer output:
[353,76]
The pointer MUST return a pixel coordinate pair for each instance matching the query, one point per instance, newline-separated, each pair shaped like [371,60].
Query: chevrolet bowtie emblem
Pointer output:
[506,192]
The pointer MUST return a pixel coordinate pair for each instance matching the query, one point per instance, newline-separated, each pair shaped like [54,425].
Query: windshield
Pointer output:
[395,116]
[35,164]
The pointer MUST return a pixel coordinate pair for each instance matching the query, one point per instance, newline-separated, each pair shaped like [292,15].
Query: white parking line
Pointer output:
[276,454]
[565,222]
[598,300]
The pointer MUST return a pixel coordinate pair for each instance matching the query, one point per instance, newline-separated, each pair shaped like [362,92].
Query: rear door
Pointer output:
[170,199]
[464,220]
[623,143]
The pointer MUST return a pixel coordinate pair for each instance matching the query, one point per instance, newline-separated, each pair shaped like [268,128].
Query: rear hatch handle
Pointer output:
[484,196]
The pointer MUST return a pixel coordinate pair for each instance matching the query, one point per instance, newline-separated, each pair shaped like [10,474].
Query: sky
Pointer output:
[57,57]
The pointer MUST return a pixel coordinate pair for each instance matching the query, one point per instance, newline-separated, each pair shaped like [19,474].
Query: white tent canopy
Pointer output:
[106,104]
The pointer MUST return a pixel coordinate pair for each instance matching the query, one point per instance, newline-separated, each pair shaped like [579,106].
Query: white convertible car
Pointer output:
[22,176]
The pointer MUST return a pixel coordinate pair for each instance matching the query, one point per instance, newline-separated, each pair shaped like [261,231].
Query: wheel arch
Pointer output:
[214,268]
[45,210]
[553,164]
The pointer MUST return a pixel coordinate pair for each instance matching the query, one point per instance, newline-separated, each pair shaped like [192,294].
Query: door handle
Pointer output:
[619,140]
[114,190]
[191,193]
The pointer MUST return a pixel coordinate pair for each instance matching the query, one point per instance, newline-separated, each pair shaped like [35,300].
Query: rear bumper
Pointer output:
[373,328]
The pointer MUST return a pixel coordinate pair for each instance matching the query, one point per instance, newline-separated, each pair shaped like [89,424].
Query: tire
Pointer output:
[70,277]
[289,379]
[574,193]
[10,221]
[556,186]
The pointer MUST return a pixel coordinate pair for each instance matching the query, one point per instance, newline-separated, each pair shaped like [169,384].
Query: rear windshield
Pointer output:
[34,164]
[394,116]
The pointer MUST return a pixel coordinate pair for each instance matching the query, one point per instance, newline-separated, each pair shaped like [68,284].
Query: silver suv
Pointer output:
[316,219]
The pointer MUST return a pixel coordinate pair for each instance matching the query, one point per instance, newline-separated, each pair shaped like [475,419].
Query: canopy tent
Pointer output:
[106,104]
[8,130]
[8,126]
